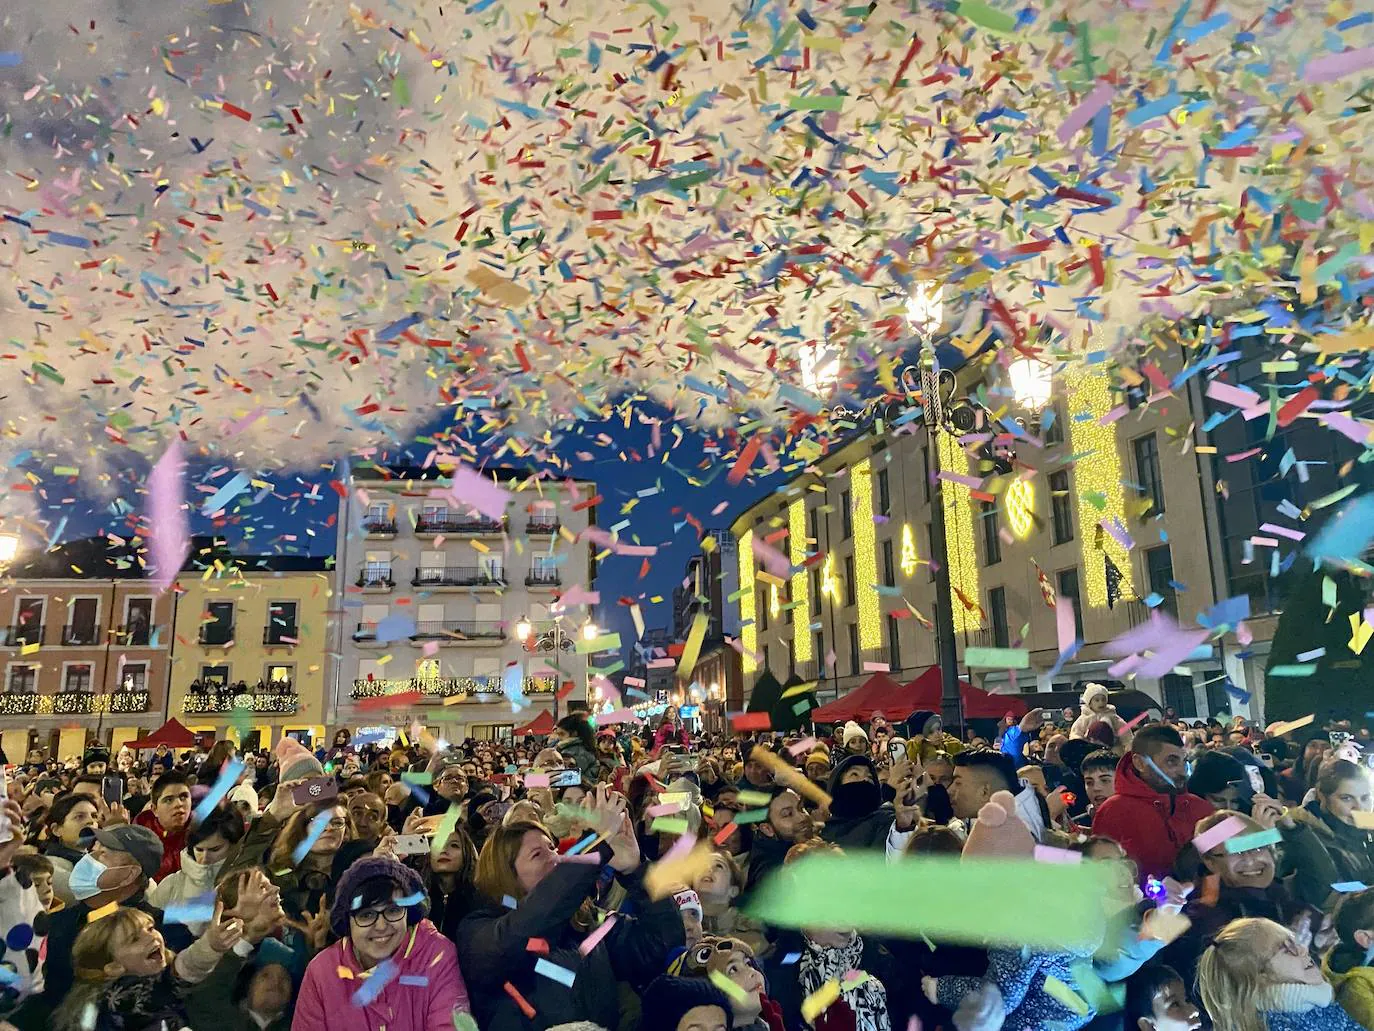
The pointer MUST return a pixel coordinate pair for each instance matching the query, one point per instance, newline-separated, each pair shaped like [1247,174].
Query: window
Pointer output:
[281,622]
[816,588]
[378,512]
[1148,481]
[894,643]
[768,666]
[787,609]
[850,591]
[82,616]
[1159,571]
[1136,396]
[217,626]
[138,621]
[814,515]
[884,494]
[1215,681]
[1061,507]
[28,622]
[133,676]
[377,568]
[925,473]
[427,669]
[216,674]
[791,661]
[279,676]
[767,604]
[23,679]
[1067,588]
[997,614]
[855,663]
[992,540]
[846,517]
[820,655]
[889,565]
[77,677]
[1178,694]
[1054,432]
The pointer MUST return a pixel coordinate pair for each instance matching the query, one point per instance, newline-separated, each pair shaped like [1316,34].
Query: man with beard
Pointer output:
[788,823]
[859,818]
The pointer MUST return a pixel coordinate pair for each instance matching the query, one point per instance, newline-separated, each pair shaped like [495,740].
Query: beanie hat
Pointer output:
[296,761]
[688,901]
[370,868]
[851,731]
[998,833]
[1213,771]
[668,999]
[1101,733]
[818,758]
[1091,691]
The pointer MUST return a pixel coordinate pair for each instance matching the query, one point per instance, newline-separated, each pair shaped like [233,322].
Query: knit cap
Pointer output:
[296,761]
[851,731]
[369,868]
[668,999]
[998,832]
[818,758]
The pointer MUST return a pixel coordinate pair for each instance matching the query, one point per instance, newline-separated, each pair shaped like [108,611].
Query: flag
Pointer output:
[1046,588]
[1113,581]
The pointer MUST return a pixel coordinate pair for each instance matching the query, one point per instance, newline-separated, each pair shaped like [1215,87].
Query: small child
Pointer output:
[1157,1000]
[1256,976]
[39,871]
[1348,966]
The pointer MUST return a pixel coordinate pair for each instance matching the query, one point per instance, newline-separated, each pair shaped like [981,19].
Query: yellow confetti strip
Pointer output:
[820,1000]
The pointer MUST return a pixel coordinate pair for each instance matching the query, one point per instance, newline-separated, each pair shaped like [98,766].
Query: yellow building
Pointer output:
[249,657]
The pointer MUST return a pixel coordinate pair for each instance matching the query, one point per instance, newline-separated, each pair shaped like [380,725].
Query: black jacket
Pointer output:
[866,829]
[492,950]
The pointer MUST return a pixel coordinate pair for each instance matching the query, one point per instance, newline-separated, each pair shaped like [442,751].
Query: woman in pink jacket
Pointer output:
[671,731]
[391,968]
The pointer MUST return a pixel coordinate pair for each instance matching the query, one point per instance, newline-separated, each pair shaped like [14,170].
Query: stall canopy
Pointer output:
[876,695]
[539,726]
[172,734]
[881,695]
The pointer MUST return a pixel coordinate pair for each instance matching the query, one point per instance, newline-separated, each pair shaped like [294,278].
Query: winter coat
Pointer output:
[789,984]
[191,882]
[1353,981]
[493,945]
[583,758]
[212,1003]
[1150,826]
[143,1003]
[1294,1007]
[671,734]
[1107,714]
[858,830]
[1020,975]
[302,890]
[62,859]
[173,843]
[333,978]
[20,951]
[1349,854]
[1271,903]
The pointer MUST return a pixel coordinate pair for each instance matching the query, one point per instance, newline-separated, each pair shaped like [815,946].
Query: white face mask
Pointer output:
[84,881]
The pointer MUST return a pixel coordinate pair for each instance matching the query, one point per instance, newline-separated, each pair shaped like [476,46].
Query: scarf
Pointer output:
[1295,998]
[819,965]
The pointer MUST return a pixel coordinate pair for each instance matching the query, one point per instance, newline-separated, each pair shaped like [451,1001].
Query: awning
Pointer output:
[539,726]
[865,701]
[880,695]
[172,734]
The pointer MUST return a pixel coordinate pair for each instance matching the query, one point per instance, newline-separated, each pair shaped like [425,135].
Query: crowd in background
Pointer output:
[602,877]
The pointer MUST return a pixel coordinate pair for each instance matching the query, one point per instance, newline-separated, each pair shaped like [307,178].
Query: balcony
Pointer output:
[83,634]
[267,699]
[459,632]
[365,634]
[27,633]
[375,580]
[543,527]
[990,637]
[544,578]
[73,703]
[216,635]
[448,689]
[442,578]
[275,634]
[379,529]
[437,526]
[135,637]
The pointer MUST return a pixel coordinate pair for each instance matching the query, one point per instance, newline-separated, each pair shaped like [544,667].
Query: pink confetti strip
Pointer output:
[167,516]
[1330,67]
[1214,836]
[594,939]
[1050,854]
[1084,113]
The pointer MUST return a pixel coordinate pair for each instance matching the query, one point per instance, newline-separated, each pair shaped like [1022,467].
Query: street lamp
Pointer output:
[1031,384]
[554,639]
[9,547]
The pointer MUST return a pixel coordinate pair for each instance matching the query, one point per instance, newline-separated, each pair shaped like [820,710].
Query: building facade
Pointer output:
[251,642]
[86,649]
[1107,509]
[433,597]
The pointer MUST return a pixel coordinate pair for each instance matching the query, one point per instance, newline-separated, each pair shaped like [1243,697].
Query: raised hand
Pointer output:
[223,932]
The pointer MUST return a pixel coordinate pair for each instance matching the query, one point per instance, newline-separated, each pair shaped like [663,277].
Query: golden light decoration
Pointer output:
[865,556]
[960,547]
[802,648]
[910,557]
[829,586]
[1019,503]
[1097,479]
[774,602]
[748,631]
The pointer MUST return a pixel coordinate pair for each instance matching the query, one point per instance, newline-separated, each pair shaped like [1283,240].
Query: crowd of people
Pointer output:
[605,877]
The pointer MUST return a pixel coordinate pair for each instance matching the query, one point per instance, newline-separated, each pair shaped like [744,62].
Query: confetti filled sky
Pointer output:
[292,233]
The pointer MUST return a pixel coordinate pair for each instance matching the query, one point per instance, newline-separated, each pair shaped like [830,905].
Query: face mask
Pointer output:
[84,881]
[857,799]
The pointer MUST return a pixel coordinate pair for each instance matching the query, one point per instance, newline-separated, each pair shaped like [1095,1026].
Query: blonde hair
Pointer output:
[91,953]
[1233,971]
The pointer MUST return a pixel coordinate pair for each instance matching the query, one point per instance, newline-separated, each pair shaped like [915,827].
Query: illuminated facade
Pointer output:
[1099,473]
[865,556]
[801,584]
[748,629]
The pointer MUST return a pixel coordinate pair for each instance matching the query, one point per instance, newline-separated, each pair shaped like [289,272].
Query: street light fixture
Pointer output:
[554,639]
[1031,384]
[9,547]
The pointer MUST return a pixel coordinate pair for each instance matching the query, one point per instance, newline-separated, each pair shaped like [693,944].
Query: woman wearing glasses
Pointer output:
[390,967]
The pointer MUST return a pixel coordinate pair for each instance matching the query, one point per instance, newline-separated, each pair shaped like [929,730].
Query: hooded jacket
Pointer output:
[1349,854]
[1150,826]
[1353,981]
[191,882]
[173,843]
[1107,715]
[325,1002]
[859,818]
[671,734]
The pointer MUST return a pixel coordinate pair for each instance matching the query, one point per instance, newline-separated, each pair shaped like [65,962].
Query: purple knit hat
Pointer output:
[369,868]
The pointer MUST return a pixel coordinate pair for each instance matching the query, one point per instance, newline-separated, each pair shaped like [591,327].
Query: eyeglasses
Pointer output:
[368,917]
[337,824]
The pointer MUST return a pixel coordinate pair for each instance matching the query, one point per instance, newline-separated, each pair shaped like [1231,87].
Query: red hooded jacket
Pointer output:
[1150,826]
[172,843]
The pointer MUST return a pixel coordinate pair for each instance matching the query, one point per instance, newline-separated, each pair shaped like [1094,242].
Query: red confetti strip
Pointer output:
[236,111]
[525,1007]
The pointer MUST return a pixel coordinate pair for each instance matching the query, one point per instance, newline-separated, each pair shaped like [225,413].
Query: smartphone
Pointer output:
[1047,715]
[566,779]
[1256,780]
[316,789]
[112,789]
[897,751]
[1267,759]
[412,844]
